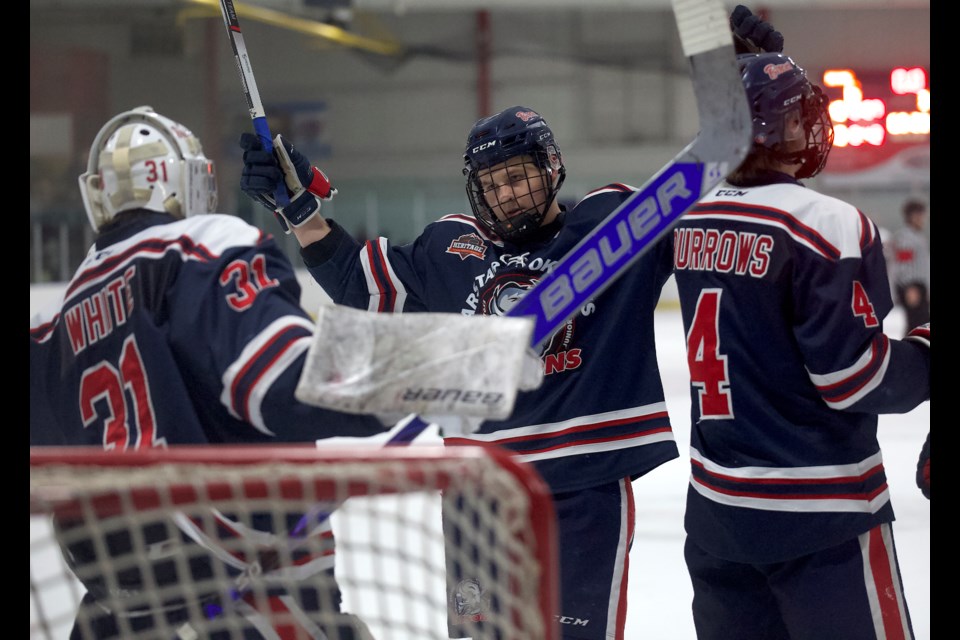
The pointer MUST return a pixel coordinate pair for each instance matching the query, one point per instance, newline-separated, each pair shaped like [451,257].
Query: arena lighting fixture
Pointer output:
[211,8]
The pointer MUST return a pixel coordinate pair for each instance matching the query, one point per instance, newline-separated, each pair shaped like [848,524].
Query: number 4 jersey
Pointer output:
[784,292]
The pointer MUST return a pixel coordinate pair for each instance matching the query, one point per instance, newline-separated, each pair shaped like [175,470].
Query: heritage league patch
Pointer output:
[468,245]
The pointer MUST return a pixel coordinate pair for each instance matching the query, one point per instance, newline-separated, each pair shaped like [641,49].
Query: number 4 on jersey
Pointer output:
[862,307]
[708,369]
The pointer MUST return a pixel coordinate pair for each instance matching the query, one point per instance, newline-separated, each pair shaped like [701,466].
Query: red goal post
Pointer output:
[173,536]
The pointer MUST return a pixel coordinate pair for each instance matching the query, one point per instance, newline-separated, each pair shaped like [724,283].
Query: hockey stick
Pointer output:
[254,105]
[653,210]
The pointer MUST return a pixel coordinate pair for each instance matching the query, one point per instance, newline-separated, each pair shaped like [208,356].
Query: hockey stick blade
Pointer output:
[254,105]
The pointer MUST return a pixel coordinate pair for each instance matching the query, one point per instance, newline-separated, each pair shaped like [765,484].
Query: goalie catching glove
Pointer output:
[263,171]
[425,363]
[751,34]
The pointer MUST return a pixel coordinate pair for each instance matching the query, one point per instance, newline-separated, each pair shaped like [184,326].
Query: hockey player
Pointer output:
[783,293]
[181,326]
[599,419]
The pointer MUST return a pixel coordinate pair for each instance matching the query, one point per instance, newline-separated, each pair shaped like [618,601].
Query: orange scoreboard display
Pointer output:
[876,116]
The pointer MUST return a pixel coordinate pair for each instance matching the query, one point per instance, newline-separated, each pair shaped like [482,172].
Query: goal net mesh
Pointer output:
[290,542]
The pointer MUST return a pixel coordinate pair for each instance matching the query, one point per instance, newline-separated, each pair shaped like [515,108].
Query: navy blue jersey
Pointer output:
[784,292]
[600,414]
[177,332]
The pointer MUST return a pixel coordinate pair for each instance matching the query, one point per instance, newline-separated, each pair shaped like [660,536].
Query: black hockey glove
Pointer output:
[753,35]
[263,171]
[923,469]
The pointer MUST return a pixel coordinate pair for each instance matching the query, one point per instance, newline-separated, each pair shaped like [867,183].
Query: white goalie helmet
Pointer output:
[142,160]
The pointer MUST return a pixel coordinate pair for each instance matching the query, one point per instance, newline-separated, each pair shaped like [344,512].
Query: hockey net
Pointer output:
[170,543]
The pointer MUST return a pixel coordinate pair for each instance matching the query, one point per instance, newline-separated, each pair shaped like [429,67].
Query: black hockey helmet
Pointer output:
[513,133]
[777,90]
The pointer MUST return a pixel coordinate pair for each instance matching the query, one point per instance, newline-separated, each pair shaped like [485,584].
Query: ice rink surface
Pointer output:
[659,590]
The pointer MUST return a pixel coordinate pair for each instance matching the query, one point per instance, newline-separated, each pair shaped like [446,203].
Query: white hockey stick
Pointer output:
[254,105]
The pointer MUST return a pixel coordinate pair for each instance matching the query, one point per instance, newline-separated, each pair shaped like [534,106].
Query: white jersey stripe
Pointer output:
[269,376]
[380,291]
[251,352]
[553,427]
[797,505]
[770,222]
[617,599]
[830,472]
[398,287]
[564,451]
[865,361]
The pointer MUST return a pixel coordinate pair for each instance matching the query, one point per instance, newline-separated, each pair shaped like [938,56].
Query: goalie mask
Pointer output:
[514,171]
[790,118]
[142,160]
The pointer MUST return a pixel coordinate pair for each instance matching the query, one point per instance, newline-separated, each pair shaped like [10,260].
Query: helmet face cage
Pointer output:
[513,168]
[520,189]
[142,160]
[782,99]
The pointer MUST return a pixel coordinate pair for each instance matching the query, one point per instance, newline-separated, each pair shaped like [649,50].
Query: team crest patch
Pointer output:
[468,245]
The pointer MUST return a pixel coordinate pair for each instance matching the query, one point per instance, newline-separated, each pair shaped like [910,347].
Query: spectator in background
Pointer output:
[910,264]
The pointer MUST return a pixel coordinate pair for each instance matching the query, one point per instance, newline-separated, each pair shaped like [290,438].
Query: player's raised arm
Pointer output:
[306,185]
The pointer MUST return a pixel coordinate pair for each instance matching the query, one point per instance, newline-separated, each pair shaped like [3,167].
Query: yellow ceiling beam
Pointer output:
[342,37]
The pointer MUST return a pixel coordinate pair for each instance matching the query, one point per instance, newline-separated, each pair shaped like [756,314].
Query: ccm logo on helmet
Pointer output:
[776,70]
[485,145]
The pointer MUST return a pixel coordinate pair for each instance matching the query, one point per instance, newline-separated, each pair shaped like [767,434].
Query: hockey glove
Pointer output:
[263,171]
[923,469]
[753,35]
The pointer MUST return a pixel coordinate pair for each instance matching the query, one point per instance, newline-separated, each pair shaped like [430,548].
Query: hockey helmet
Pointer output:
[143,160]
[778,91]
[513,136]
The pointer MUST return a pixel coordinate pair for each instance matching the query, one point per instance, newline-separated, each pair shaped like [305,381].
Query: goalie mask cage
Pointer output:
[211,542]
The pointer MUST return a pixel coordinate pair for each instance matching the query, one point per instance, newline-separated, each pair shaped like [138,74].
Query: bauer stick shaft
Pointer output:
[254,105]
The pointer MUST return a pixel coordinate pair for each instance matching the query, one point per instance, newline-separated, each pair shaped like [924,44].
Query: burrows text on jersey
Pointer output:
[728,251]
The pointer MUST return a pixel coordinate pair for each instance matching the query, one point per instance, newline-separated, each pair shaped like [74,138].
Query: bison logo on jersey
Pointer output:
[498,295]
